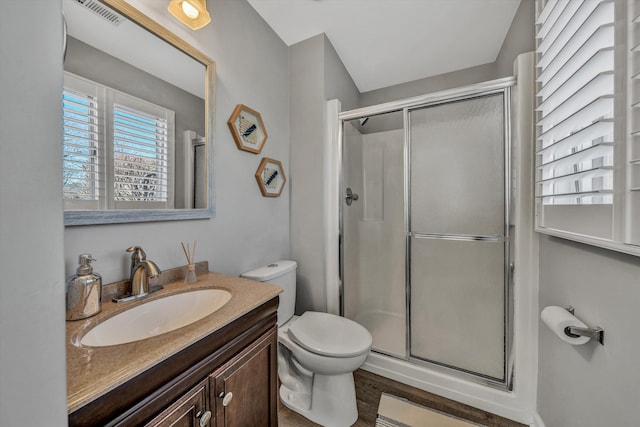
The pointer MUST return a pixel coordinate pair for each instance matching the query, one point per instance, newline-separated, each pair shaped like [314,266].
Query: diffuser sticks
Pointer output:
[190,277]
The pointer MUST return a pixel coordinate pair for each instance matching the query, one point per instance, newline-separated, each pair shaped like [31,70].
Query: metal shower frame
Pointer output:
[406,105]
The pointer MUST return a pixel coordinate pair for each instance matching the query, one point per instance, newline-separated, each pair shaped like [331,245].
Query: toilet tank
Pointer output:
[283,274]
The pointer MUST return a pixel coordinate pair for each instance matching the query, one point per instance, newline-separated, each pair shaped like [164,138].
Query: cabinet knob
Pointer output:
[204,418]
[226,398]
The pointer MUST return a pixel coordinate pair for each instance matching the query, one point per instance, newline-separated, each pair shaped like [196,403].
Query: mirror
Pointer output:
[138,117]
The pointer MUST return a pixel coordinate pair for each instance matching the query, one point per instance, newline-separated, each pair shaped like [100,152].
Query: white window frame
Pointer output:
[107,99]
[582,223]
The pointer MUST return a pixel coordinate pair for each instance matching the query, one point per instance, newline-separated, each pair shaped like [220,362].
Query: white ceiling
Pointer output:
[387,42]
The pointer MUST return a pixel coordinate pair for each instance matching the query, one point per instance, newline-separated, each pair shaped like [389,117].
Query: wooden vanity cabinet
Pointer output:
[242,390]
[191,410]
[240,360]
[239,394]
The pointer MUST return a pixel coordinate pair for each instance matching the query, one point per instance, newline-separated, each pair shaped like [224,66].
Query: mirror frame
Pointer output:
[72,218]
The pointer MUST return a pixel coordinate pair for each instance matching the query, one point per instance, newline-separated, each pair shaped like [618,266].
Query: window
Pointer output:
[116,148]
[582,174]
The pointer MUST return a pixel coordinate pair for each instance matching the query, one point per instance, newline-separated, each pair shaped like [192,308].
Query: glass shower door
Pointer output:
[458,235]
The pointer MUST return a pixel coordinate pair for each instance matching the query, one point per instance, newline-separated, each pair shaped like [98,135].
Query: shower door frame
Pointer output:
[438,98]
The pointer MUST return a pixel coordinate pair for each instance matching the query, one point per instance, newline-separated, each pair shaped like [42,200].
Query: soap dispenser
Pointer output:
[84,291]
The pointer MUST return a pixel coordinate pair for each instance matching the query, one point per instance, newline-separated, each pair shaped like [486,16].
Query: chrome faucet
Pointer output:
[141,271]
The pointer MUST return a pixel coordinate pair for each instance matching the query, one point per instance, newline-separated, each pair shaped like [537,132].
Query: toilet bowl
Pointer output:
[317,354]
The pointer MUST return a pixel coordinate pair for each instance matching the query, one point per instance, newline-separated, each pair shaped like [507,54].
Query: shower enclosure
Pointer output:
[425,253]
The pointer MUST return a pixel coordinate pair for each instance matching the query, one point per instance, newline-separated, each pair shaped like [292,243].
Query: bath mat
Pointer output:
[397,412]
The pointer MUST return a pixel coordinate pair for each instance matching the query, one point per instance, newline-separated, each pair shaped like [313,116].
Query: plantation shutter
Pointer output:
[140,150]
[82,148]
[575,112]
[632,235]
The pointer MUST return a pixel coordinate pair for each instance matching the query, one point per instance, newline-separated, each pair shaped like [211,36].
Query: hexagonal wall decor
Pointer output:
[247,129]
[270,177]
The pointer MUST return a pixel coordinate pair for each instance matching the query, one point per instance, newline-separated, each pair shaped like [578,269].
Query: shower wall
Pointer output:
[374,237]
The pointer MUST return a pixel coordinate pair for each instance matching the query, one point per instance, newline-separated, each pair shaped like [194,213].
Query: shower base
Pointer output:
[388,331]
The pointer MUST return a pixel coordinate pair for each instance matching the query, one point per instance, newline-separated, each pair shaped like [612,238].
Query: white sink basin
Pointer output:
[156,317]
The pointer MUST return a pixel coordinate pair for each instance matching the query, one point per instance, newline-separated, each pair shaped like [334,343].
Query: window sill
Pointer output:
[593,241]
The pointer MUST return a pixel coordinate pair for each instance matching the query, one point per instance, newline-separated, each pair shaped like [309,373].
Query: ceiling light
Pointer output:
[189,10]
[192,13]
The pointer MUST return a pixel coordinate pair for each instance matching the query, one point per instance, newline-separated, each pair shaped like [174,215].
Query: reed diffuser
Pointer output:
[190,277]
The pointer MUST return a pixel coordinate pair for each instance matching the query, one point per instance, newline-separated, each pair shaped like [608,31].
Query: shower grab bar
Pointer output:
[460,237]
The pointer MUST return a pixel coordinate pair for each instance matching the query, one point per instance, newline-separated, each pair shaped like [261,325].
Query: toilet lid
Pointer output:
[330,335]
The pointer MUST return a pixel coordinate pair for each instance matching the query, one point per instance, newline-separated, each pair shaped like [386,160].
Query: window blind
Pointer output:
[81,147]
[575,103]
[140,147]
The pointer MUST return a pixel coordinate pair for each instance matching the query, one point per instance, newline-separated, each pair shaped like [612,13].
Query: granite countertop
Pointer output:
[94,371]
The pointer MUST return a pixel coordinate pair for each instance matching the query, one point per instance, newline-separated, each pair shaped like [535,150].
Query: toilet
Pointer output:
[317,354]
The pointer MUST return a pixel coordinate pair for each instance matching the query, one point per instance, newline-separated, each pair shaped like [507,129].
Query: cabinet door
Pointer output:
[244,390]
[191,410]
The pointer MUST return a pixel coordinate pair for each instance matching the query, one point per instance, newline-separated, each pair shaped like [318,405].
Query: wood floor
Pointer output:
[369,388]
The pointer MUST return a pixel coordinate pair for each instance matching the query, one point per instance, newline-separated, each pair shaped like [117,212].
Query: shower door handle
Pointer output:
[350,196]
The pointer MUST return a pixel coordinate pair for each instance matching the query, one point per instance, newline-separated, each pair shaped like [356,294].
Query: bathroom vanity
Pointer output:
[217,371]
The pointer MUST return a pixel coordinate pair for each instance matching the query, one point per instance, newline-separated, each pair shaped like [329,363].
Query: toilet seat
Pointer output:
[330,335]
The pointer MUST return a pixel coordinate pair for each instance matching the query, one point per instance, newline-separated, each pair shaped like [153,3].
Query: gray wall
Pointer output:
[589,385]
[306,70]
[467,76]
[32,300]
[316,75]
[248,230]
[338,84]
[520,38]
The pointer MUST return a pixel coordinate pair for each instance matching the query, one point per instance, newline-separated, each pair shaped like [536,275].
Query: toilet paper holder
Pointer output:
[596,333]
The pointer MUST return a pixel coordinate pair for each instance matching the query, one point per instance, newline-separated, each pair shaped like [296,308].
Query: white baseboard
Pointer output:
[537,421]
